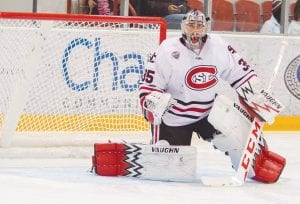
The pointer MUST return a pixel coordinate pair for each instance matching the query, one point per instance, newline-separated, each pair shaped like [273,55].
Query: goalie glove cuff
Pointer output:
[156,104]
[149,116]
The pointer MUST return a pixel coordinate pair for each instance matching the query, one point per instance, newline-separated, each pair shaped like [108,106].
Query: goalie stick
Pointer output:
[251,144]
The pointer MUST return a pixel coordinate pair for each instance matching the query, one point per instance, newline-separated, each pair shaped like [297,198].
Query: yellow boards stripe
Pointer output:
[117,123]
[284,123]
[82,123]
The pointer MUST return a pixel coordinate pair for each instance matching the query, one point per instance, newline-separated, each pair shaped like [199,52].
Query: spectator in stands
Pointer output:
[294,27]
[177,12]
[160,8]
[175,15]
[172,10]
[273,24]
[99,7]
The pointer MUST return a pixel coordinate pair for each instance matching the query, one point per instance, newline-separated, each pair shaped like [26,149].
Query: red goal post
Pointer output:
[90,18]
[63,73]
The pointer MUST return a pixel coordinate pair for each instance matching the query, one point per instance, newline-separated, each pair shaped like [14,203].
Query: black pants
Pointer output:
[182,135]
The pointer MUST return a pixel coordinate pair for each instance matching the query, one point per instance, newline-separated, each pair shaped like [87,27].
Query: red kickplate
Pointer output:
[269,167]
[110,158]
[109,147]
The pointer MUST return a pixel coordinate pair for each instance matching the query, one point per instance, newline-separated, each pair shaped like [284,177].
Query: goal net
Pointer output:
[72,78]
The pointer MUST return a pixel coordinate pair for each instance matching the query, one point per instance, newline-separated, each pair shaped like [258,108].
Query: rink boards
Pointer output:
[262,55]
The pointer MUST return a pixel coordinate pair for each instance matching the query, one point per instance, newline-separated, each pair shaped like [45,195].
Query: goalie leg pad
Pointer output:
[225,143]
[267,166]
[169,163]
[235,129]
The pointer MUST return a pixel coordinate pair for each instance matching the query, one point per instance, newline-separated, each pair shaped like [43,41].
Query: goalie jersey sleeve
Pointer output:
[192,79]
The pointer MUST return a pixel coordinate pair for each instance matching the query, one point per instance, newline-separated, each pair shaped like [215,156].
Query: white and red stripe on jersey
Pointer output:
[192,78]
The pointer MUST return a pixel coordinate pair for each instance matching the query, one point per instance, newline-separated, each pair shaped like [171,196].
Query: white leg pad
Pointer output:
[155,162]
[232,120]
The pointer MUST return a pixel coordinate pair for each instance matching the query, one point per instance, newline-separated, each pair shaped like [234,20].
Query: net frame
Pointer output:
[45,137]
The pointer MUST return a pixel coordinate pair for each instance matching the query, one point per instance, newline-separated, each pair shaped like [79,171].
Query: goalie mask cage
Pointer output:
[65,76]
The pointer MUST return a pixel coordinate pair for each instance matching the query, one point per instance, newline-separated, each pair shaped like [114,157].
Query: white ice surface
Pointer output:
[68,180]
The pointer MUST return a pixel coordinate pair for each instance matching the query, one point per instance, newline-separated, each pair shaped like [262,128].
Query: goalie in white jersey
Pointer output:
[180,84]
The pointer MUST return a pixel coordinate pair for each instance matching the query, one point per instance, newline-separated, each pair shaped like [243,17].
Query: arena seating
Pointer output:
[266,10]
[242,15]
[247,16]
[222,15]
[292,7]
[195,4]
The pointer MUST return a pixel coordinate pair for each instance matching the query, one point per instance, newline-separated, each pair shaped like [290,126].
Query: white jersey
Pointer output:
[271,26]
[192,79]
[294,27]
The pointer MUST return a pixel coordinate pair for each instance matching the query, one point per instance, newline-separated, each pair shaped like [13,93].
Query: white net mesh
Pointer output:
[73,76]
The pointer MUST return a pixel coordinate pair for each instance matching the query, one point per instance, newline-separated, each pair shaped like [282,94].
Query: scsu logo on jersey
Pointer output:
[201,77]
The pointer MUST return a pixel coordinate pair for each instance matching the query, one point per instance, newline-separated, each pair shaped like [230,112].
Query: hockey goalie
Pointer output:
[179,96]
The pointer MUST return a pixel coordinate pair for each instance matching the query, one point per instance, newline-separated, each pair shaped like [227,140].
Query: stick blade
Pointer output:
[220,181]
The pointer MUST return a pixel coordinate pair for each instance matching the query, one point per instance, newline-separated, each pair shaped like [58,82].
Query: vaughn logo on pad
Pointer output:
[165,149]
